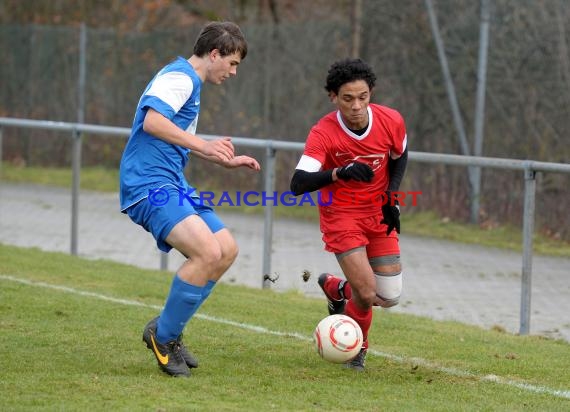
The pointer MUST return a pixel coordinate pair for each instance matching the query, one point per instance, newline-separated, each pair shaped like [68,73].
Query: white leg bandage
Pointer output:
[388,285]
[388,289]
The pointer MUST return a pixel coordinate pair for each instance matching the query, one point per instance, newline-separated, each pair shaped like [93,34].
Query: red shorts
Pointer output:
[343,233]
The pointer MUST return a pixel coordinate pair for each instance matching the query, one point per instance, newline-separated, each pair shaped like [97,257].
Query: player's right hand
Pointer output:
[222,149]
[355,171]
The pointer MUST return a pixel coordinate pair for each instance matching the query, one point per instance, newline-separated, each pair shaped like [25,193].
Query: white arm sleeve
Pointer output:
[308,164]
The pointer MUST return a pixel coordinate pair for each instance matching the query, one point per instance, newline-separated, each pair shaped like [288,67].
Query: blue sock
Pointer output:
[207,290]
[182,302]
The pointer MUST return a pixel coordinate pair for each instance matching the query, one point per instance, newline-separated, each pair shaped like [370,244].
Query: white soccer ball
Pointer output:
[338,338]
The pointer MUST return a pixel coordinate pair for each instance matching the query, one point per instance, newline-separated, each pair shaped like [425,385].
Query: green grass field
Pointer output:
[71,339]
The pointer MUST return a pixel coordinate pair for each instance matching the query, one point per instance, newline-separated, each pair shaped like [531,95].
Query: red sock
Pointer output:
[331,286]
[347,290]
[362,317]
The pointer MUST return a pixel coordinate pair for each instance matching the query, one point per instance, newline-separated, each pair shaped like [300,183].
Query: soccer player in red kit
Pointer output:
[356,157]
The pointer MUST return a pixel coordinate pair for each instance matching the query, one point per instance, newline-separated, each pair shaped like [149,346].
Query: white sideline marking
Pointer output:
[400,359]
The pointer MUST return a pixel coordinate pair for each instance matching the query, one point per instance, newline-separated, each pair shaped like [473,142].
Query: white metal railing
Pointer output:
[529,167]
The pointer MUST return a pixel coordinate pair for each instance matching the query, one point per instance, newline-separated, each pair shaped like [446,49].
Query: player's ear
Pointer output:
[214,53]
[333,97]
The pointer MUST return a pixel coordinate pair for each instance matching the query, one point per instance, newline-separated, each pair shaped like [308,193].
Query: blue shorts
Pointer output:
[165,208]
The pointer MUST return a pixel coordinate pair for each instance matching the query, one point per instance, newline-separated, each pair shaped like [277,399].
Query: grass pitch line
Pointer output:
[259,329]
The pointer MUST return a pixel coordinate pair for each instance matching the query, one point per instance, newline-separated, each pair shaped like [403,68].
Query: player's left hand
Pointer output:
[221,149]
[245,161]
[391,214]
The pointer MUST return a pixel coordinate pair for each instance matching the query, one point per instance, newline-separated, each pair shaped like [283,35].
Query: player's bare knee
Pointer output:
[388,276]
[229,254]
[210,255]
[365,296]
[232,252]
[370,298]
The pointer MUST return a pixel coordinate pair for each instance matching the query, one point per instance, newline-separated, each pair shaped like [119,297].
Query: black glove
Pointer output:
[391,213]
[356,171]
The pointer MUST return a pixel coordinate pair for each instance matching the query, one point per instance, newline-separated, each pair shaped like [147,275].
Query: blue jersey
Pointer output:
[148,162]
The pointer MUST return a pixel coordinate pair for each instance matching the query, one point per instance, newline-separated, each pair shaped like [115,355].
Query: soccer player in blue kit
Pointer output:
[154,192]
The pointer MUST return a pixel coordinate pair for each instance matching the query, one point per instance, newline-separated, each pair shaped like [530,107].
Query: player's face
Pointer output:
[352,101]
[222,67]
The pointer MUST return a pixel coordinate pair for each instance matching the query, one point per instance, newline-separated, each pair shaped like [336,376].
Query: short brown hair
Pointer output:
[225,36]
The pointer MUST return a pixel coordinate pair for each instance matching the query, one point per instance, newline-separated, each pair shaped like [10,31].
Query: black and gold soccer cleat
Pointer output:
[190,360]
[168,355]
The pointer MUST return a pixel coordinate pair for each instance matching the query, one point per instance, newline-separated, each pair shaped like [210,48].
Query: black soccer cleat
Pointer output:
[357,363]
[168,355]
[335,306]
[190,360]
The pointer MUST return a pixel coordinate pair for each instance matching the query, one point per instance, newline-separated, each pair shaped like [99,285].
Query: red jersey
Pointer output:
[331,144]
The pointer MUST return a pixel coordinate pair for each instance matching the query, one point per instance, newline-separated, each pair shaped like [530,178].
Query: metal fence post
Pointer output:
[528,231]
[268,213]
[1,144]
[163,261]
[75,183]
[82,73]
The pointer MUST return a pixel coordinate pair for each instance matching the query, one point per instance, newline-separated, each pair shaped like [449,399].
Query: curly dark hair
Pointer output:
[346,71]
